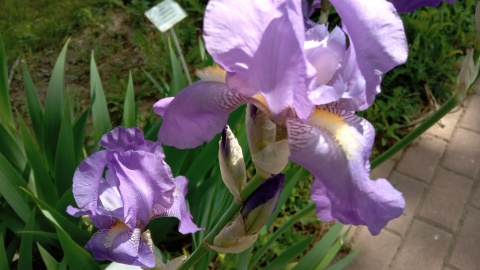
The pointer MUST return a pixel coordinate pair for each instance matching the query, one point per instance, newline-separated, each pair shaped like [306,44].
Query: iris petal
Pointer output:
[139,173]
[122,139]
[342,189]
[121,245]
[179,208]
[377,38]
[197,114]
[86,187]
[263,53]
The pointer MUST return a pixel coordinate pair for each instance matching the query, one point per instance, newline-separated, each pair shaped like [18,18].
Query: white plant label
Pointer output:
[166,14]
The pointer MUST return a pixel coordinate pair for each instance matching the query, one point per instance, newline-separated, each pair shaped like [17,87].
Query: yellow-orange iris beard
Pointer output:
[344,134]
[212,74]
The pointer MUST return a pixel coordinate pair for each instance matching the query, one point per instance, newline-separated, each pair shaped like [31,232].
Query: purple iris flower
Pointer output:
[308,82]
[404,6]
[121,189]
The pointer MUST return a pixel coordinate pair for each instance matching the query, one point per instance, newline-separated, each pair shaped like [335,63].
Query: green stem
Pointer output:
[227,216]
[259,253]
[444,109]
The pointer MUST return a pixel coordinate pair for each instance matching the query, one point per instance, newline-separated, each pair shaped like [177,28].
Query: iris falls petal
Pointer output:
[336,153]
[197,114]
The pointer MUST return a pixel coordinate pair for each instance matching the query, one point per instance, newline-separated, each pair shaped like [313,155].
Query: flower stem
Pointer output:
[234,207]
[444,109]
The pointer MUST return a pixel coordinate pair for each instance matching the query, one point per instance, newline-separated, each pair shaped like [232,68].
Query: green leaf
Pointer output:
[75,255]
[101,118]
[54,108]
[65,164]
[66,200]
[10,183]
[178,79]
[41,234]
[6,116]
[152,132]
[63,265]
[315,255]
[11,220]
[332,252]
[49,261]
[3,254]
[288,255]
[289,223]
[59,220]
[155,82]
[201,47]
[35,108]
[25,252]
[129,113]
[345,261]
[44,187]
[79,129]
[243,258]
[11,150]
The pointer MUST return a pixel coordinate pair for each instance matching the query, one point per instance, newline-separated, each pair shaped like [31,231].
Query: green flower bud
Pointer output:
[260,205]
[242,232]
[268,142]
[232,164]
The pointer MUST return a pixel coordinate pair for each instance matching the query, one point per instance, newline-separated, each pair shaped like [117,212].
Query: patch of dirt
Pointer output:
[115,54]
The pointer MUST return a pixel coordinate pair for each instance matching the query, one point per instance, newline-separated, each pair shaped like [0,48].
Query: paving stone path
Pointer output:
[439,177]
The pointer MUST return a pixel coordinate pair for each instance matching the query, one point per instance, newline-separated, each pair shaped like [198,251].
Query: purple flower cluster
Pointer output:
[309,82]
[121,189]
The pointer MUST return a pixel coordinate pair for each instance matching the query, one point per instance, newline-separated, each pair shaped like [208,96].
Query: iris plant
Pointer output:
[121,189]
[310,83]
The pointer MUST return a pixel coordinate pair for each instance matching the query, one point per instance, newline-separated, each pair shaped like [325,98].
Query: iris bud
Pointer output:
[260,205]
[242,232]
[232,164]
[268,142]
[467,75]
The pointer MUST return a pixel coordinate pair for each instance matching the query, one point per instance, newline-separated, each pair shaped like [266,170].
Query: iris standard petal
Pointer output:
[376,35]
[404,6]
[244,23]
[197,114]
[123,139]
[263,52]
[342,189]
[145,180]
[325,51]
[86,187]
[110,202]
[160,106]
[179,208]
[120,244]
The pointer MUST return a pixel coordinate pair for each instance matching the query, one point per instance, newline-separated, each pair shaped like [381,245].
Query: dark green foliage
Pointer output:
[437,39]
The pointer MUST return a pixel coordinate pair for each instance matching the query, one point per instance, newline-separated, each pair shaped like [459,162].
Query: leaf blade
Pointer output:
[101,118]
[76,256]
[54,107]
[129,113]
[48,260]
[35,108]
[45,189]
[10,181]
[6,115]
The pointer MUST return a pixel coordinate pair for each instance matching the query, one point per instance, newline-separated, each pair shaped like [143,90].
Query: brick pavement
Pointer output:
[439,175]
